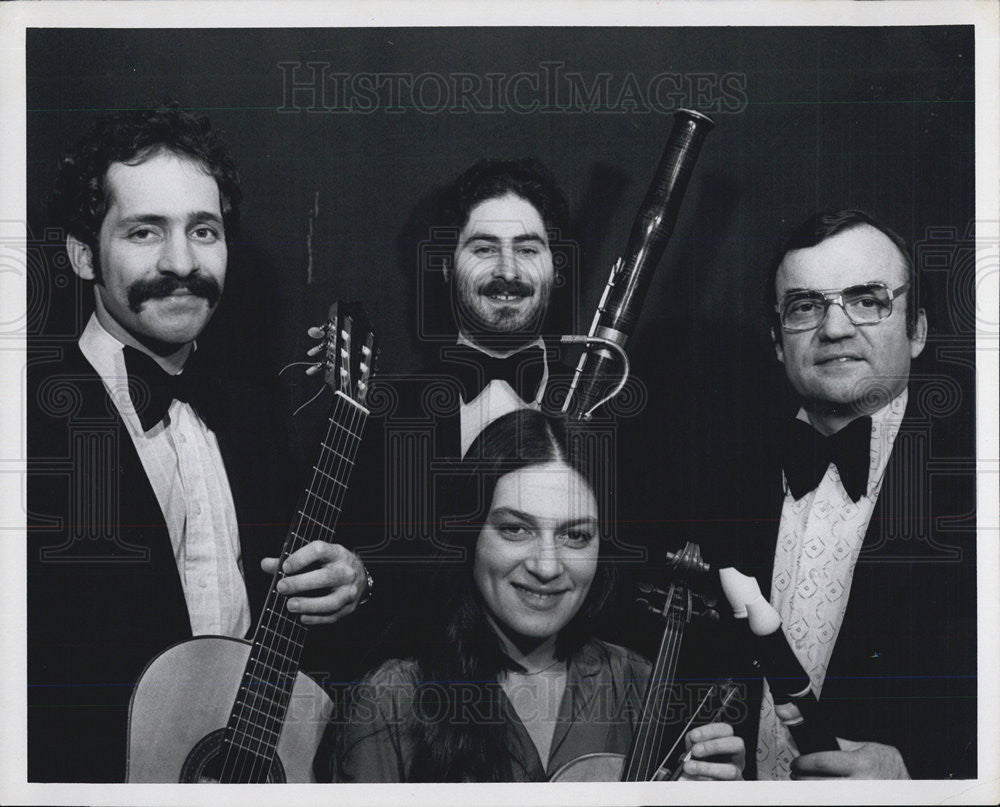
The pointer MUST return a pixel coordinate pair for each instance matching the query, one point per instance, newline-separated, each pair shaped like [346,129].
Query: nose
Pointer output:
[177,256]
[506,265]
[836,325]
[545,561]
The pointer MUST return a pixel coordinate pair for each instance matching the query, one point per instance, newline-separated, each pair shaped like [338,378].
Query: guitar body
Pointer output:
[182,703]
[600,767]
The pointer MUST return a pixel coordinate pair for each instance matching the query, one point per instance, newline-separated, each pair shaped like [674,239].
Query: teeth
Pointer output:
[537,595]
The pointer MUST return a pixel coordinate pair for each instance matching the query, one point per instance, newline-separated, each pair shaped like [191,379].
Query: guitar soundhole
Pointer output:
[205,762]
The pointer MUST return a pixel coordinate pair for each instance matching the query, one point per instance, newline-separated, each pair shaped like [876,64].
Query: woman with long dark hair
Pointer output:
[507,682]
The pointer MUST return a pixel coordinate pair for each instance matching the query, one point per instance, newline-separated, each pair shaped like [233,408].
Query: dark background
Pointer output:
[876,118]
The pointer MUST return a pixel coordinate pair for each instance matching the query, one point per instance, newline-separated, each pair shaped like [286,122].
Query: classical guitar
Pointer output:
[215,709]
[645,759]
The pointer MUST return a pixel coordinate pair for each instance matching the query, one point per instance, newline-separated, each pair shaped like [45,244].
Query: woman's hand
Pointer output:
[716,754]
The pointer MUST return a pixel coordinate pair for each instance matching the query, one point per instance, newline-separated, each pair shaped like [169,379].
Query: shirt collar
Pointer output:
[501,354]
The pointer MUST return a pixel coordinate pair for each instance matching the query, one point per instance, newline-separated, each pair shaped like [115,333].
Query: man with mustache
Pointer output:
[501,215]
[493,235]
[875,592]
[178,495]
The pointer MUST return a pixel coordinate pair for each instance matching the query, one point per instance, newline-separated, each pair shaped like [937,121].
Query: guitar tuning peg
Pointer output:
[314,350]
[316,332]
[313,369]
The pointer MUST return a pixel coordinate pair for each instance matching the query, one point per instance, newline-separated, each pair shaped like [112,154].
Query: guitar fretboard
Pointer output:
[265,689]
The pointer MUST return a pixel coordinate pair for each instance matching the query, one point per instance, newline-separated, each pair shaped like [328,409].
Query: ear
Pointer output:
[919,338]
[446,270]
[778,350]
[81,257]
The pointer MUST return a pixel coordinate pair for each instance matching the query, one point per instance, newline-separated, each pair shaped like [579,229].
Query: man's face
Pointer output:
[840,366]
[503,268]
[162,251]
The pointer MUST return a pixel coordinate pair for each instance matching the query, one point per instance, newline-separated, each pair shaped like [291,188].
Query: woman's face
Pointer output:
[537,553]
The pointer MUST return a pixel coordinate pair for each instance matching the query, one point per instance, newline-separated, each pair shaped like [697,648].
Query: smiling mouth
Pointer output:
[506,298]
[839,360]
[536,598]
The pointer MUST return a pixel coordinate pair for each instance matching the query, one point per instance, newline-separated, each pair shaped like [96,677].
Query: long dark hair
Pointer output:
[461,735]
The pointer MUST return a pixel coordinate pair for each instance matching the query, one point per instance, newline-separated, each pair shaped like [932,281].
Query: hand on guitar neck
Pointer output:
[324,582]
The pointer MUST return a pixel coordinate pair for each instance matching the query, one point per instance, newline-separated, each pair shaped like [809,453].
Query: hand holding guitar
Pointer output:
[324,582]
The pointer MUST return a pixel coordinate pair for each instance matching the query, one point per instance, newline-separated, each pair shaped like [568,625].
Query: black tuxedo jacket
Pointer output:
[903,670]
[104,594]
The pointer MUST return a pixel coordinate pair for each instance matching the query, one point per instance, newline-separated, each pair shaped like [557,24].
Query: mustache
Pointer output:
[165,285]
[513,288]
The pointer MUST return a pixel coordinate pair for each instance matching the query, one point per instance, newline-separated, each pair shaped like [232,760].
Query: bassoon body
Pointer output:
[626,289]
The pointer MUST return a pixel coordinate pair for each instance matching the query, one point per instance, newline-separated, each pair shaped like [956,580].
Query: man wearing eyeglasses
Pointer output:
[876,600]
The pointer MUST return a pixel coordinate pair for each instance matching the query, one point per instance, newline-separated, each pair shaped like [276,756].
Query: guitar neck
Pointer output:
[259,712]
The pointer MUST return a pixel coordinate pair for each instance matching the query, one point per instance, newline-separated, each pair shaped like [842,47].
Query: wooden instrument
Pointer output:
[227,710]
[774,659]
[616,317]
[645,756]
[625,292]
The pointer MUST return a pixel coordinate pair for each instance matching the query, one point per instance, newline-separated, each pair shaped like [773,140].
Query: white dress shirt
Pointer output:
[181,458]
[819,540]
[497,398]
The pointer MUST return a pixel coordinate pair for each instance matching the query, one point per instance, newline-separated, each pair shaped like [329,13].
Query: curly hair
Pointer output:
[491,178]
[80,198]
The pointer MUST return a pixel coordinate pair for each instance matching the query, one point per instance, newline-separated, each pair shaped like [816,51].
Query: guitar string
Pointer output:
[649,733]
[338,449]
[254,682]
[304,531]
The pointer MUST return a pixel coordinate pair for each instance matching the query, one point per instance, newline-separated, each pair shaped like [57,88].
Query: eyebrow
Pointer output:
[198,217]
[493,239]
[797,290]
[518,514]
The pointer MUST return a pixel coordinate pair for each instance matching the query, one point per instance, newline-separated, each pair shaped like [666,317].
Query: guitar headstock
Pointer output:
[348,351]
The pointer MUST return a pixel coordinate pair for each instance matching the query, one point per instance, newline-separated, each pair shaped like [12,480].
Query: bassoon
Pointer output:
[604,347]
[621,303]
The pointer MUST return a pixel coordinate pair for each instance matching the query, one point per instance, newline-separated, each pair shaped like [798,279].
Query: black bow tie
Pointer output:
[806,454]
[475,370]
[152,389]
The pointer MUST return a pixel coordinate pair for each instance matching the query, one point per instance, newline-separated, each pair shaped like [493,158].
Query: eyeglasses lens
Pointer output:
[864,305]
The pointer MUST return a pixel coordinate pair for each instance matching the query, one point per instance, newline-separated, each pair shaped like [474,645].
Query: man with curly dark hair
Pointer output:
[497,223]
[178,482]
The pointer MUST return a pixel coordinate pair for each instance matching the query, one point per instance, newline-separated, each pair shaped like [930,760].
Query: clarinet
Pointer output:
[625,292]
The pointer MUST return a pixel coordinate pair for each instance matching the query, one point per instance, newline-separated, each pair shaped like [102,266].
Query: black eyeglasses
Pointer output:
[867,304]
